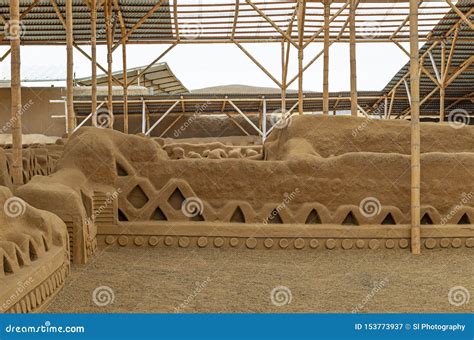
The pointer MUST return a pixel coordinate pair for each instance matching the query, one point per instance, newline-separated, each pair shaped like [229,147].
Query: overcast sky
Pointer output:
[200,65]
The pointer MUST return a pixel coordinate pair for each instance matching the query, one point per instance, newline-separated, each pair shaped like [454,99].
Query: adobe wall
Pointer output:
[38,111]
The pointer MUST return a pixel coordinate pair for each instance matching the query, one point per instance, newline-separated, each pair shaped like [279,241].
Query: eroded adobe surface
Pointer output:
[34,255]
[326,167]
[332,167]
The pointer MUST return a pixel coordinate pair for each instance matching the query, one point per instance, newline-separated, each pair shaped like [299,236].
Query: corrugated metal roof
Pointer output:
[200,21]
[462,86]
[42,25]
[213,103]
[159,77]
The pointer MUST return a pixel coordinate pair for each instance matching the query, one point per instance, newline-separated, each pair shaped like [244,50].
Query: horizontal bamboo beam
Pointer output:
[138,24]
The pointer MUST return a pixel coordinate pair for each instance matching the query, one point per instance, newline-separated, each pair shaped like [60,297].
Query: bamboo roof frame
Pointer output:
[159,22]
[447,76]
[20,19]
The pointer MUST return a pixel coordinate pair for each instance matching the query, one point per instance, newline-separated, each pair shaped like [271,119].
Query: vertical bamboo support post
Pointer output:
[442,96]
[17,168]
[301,15]
[285,60]
[125,87]
[108,26]
[264,122]
[442,87]
[283,78]
[352,52]
[94,62]
[71,120]
[143,117]
[327,7]
[415,130]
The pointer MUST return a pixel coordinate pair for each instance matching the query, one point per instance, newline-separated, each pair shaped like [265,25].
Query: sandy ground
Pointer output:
[229,280]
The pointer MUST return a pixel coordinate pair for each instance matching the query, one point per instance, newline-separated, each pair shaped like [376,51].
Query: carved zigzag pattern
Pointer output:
[140,201]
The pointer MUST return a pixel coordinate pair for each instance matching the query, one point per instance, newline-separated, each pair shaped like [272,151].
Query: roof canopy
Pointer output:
[455,38]
[186,21]
[159,77]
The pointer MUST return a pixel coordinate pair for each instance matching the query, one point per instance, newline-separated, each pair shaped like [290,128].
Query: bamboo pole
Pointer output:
[94,61]
[352,52]
[461,14]
[123,30]
[143,71]
[271,22]
[283,78]
[171,125]
[16,108]
[442,96]
[453,30]
[99,66]
[301,15]
[450,56]
[125,87]
[175,19]
[108,26]
[285,60]
[415,130]
[317,33]
[311,62]
[459,70]
[442,88]
[287,55]
[71,120]
[259,65]
[327,9]
[6,54]
[392,98]
[137,25]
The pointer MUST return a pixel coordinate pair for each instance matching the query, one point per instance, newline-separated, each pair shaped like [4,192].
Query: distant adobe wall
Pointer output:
[38,111]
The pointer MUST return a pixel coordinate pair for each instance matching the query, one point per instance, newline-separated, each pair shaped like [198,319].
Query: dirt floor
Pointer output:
[229,280]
